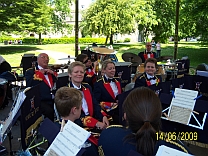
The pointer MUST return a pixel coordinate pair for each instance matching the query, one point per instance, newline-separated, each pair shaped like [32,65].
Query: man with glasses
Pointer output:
[148,53]
[44,77]
[90,76]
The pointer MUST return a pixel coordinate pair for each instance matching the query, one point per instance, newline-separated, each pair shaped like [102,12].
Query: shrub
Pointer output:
[32,40]
[127,40]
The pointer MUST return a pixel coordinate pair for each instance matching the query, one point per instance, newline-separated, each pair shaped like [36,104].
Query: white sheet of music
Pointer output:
[12,113]
[182,105]
[69,141]
[20,100]
[167,151]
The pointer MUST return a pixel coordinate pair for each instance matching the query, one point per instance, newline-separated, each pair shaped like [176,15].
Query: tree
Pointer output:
[37,16]
[165,15]
[145,16]
[194,19]
[61,11]
[107,17]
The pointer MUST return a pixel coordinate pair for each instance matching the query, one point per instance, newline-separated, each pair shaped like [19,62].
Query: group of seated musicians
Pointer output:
[99,103]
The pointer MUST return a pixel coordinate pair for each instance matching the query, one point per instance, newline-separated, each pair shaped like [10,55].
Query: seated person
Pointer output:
[90,76]
[108,87]
[148,77]
[46,78]
[147,53]
[91,115]
[4,65]
[142,111]
[68,103]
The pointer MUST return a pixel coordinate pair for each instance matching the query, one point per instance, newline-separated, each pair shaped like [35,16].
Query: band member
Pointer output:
[90,76]
[108,87]
[148,77]
[147,53]
[142,111]
[91,115]
[68,102]
[45,77]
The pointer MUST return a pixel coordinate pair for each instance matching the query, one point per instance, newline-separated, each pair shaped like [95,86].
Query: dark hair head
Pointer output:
[66,98]
[81,57]
[143,114]
[151,60]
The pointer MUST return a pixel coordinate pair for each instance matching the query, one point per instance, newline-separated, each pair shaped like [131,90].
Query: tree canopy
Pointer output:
[107,17]
[39,16]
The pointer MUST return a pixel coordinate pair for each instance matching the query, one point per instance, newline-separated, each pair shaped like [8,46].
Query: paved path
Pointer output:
[57,56]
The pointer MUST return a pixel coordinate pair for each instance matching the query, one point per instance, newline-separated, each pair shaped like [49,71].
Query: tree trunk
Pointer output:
[39,39]
[106,40]
[111,39]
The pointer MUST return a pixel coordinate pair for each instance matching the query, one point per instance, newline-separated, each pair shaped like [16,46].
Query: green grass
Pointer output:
[196,52]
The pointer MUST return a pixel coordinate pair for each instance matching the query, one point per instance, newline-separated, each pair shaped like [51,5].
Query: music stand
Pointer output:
[27,61]
[28,109]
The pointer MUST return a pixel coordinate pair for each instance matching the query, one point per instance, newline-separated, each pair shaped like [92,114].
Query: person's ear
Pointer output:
[74,110]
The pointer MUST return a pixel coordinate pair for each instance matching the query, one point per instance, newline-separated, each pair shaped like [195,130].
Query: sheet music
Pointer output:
[69,141]
[167,151]
[12,113]
[182,105]
[20,99]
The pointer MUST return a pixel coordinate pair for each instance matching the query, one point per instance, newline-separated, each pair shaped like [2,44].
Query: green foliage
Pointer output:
[61,11]
[194,19]
[165,13]
[39,16]
[127,40]
[32,40]
[106,17]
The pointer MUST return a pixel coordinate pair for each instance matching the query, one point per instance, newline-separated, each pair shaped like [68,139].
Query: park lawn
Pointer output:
[196,52]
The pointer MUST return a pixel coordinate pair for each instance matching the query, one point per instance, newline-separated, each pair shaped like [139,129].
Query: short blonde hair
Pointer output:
[74,64]
[105,63]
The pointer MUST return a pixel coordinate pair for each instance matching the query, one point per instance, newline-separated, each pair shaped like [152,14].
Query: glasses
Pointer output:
[45,57]
[86,60]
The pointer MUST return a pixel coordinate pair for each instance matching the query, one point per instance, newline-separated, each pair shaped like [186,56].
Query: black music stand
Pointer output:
[27,61]
[169,126]
[30,116]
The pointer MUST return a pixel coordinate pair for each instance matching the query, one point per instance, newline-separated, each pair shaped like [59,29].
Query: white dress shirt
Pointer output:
[84,102]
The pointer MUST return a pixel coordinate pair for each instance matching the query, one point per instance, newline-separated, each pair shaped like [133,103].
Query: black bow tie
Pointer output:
[152,78]
[89,68]
[111,80]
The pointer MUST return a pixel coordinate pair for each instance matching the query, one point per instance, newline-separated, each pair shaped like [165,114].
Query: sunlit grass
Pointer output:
[196,52]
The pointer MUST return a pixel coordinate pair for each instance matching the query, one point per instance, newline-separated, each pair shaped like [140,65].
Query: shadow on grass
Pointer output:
[7,50]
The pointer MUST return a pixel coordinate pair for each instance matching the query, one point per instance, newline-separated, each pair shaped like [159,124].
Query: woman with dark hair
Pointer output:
[142,111]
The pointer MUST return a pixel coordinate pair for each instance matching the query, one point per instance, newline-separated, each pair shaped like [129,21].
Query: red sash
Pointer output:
[109,89]
[40,76]
[88,98]
[89,74]
[146,56]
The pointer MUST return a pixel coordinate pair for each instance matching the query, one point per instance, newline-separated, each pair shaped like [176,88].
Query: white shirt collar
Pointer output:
[149,76]
[76,86]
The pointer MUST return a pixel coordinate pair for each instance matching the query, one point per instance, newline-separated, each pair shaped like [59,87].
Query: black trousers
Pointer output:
[47,109]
